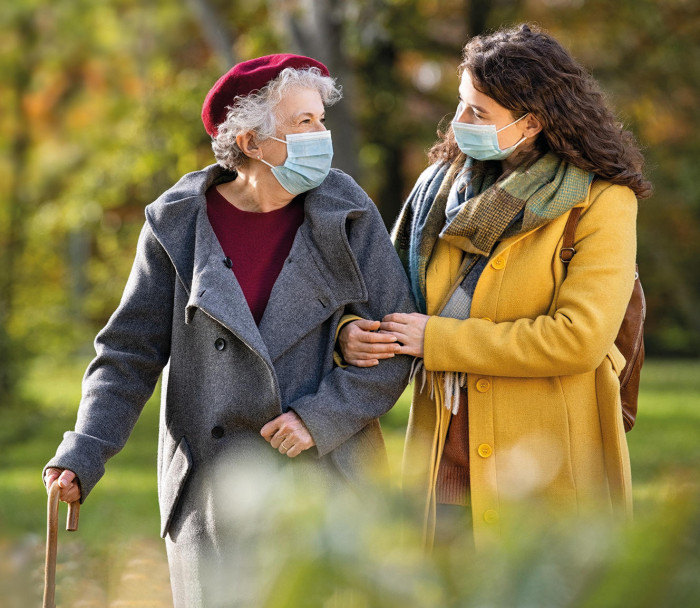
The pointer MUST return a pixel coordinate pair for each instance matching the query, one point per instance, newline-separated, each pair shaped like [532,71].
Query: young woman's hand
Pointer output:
[409,330]
[363,346]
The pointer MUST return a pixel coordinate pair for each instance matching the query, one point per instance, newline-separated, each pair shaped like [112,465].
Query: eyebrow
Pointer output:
[302,114]
[471,105]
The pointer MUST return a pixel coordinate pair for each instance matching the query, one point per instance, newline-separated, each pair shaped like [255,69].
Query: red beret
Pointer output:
[246,77]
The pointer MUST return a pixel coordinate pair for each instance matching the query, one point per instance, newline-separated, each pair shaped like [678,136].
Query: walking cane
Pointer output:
[52,541]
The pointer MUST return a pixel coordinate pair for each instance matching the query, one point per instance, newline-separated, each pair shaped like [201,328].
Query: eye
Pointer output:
[323,119]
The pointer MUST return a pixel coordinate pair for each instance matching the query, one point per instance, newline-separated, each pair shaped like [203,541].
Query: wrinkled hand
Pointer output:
[363,346]
[288,434]
[67,481]
[409,329]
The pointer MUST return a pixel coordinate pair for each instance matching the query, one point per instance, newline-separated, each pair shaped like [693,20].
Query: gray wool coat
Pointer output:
[184,315]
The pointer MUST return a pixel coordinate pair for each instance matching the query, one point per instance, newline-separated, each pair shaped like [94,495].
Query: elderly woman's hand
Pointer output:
[363,346]
[288,434]
[67,481]
[409,330]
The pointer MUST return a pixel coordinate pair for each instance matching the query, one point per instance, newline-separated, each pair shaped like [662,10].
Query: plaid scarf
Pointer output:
[483,212]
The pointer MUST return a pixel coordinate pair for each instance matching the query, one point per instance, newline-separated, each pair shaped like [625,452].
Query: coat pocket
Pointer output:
[173,483]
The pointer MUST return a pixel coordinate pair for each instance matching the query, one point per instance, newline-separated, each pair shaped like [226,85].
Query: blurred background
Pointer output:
[99,113]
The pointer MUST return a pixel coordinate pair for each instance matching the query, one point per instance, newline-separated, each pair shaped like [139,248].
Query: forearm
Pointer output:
[540,347]
[132,350]
[348,399]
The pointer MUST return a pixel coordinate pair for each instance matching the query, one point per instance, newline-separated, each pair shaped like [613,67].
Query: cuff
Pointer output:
[337,354]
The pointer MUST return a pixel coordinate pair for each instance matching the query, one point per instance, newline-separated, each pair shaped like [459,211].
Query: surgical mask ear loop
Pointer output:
[517,120]
[524,137]
[264,161]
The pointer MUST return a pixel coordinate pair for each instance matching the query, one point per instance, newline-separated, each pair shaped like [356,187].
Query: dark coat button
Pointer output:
[219,344]
[217,432]
[227,262]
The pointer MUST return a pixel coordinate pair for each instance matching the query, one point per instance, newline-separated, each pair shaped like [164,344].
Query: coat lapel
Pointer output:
[216,292]
[319,276]
[180,223]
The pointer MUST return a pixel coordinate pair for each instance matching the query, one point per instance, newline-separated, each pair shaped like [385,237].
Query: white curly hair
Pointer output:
[256,112]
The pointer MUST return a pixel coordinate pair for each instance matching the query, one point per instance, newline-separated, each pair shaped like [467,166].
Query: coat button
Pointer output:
[499,263]
[217,432]
[227,262]
[487,319]
[491,516]
[484,450]
[483,385]
[219,344]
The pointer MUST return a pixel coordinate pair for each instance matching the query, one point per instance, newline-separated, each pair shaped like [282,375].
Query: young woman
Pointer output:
[516,398]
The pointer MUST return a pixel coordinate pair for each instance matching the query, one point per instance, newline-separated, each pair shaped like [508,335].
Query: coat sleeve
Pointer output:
[348,398]
[132,350]
[589,310]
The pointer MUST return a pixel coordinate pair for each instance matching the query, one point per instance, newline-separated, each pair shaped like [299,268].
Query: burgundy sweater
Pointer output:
[256,243]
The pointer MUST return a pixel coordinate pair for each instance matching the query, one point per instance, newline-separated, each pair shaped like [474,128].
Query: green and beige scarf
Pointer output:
[474,214]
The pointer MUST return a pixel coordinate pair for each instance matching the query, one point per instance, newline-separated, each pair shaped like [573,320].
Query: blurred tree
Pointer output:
[215,32]
[16,69]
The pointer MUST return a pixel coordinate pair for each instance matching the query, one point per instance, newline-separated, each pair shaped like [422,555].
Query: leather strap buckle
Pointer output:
[566,253]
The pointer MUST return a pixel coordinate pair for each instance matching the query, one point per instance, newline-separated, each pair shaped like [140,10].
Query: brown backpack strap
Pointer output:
[567,249]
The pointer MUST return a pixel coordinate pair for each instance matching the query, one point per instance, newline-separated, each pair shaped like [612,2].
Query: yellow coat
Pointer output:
[545,426]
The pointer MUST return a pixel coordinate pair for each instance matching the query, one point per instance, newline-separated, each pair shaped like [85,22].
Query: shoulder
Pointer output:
[608,200]
[603,190]
[346,192]
[185,197]
[610,209]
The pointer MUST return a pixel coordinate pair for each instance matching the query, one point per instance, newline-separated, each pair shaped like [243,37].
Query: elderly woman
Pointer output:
[242,273]
[521,400]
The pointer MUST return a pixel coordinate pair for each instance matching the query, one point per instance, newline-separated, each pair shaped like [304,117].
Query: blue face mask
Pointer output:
[480,142]
[308,161]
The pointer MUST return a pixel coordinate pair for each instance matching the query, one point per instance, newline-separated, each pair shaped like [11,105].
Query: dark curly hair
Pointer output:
[526,70]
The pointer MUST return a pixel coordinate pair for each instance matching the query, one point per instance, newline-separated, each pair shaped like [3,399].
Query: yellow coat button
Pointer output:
[490,516]
[487,319]
[482,385]
[484,450]
[499,263]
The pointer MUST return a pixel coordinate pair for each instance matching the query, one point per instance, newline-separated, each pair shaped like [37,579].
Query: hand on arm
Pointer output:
[67,481]
[408,329]
[363,346]
[288,434]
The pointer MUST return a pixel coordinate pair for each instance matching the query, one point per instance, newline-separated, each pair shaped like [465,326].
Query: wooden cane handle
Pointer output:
[73,515]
